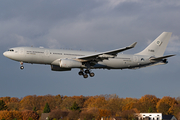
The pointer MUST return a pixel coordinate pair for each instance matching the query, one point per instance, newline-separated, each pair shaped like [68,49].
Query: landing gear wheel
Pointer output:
[22,67]
[92,74]
[85,76]
[86,71]
[81,73]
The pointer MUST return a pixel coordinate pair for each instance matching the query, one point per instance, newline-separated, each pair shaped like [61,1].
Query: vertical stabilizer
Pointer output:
[158,46]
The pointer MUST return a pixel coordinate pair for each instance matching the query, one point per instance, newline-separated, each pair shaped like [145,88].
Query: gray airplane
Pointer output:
[65,60]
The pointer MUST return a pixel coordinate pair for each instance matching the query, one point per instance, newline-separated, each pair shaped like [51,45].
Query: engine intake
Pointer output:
[58,68]
[165,61]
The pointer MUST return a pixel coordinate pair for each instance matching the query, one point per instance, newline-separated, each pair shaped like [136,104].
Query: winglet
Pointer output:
[133,45]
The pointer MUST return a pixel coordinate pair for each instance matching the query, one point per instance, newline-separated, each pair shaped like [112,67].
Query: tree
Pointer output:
[128,115]
[13,99]
[17,115]
[34,109]
[46,109]
[176,110]
[85,115]
[163,108]
[73,115]
[67,103]
[2,105]
[145,102]
[115,105]
[13,106]
[129,106]
[150,110]
[7,115]
[75,107]
[28,102]
[104,113]
[95,102]
[28,115]
[11,115]
[166,105]
[5,99]
[30,118]
[58,114]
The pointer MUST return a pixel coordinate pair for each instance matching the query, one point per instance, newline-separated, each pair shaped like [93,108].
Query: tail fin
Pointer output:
[158,46]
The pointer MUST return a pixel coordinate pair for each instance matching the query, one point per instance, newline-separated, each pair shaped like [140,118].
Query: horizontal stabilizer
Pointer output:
[160,58]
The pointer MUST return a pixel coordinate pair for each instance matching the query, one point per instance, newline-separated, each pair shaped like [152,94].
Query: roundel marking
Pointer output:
[158,42]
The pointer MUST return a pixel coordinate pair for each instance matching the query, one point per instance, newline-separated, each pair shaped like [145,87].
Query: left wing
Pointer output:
[104,55]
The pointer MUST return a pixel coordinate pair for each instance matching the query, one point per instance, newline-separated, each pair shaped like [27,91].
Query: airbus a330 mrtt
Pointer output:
[65,60]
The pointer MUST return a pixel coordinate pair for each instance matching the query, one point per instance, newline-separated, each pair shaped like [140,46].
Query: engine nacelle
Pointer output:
[58,68]
[68,63]
[165,61]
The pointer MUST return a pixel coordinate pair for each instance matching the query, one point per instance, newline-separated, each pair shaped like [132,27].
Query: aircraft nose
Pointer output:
[5,54]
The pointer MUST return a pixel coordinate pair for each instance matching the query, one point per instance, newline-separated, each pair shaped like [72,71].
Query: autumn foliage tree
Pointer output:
[58,114]
[10,115]
[146,103]
[5,99]
[30,114]
[104,113]
[128,115]
[2,105]
[87,107]
[95,102]
[73,115]
[114,104]
[6,115]
[86,115]
[166,105]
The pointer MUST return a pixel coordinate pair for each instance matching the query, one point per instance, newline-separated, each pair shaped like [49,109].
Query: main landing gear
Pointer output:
[22,67]
[85,73]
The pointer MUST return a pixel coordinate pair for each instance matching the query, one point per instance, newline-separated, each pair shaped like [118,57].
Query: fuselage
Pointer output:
[53,57]
[65,60]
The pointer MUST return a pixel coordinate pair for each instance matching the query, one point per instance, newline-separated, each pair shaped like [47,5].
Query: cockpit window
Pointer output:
[11,50]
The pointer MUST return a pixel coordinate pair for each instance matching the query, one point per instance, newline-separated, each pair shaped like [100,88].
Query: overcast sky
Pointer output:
[91,25]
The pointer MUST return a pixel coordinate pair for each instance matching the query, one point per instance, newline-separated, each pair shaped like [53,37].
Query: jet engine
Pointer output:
[58,68]
[165,61]
[68,63]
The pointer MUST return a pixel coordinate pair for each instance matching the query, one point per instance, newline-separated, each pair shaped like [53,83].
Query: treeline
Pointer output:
[86,107]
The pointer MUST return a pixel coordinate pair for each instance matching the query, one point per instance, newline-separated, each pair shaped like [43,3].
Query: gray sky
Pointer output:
[93,25]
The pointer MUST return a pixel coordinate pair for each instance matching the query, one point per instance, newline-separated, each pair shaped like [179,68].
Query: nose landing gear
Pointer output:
[22,67]
[85,73]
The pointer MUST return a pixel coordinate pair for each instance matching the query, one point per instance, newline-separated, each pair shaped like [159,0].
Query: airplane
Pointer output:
[65,60]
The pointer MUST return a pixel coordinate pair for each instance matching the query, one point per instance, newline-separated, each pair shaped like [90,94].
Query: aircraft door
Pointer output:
[46,52]
[21,51]
[135,58]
